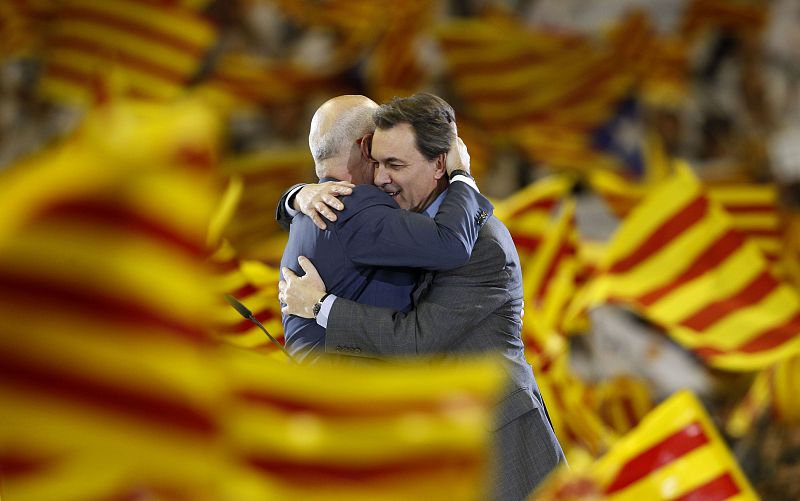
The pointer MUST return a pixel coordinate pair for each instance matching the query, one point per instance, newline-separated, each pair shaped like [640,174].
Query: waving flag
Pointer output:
[679,261]
[527,212]
[154,47]
[674,453]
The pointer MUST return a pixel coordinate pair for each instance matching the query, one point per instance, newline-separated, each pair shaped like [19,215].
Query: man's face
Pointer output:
[402,171]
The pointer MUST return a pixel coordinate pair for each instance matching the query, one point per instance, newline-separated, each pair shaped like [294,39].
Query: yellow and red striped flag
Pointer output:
[154,47]
[704,15]
[549,281]
[363,432]
[754,208]
[255,284]
[573,409]
[675,453]
[622,402]
[527,212]
[113,387]
[252,230]
[773,392]
[394,67]
[245,81]
[679,261]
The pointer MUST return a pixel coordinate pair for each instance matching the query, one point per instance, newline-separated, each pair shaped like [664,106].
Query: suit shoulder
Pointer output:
[364,196]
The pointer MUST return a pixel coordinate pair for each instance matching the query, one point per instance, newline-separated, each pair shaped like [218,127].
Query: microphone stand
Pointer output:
[246,313]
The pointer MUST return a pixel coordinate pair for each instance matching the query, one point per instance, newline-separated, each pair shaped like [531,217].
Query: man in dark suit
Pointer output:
[368,253]
[474,308]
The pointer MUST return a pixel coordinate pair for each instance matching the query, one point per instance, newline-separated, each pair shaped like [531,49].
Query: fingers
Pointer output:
[333,202]
[311,272]
[342,188]
[287,275]
[318,221]
[325,211]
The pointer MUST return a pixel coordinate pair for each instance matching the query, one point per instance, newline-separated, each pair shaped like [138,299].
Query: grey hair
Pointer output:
[349,126]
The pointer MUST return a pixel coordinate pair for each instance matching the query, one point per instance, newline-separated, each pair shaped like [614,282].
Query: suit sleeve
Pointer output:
[458,301]
[381,235]
[281,215]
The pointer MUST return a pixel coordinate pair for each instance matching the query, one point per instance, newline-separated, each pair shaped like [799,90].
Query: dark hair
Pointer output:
[430,116]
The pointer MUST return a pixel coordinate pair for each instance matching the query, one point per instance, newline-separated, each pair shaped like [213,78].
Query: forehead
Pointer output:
[397,142]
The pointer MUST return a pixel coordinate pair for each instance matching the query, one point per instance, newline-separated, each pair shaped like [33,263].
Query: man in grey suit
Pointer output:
[475,308]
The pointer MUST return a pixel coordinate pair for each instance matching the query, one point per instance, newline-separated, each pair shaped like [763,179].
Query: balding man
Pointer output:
[368,253]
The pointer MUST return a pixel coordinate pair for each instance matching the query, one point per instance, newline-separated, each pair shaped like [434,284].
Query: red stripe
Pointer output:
[116,54]
[664,234]
[767,340]
[545,204]
[749,209]
[95,392]
[750,294]
[133,27]
[526,242]
[566,250]
[18,464]
[312,473]
[718,489]
[120,218]
[347,408]
[49,295]
[711,258]
[90,81]
[630,412]
[659,455]
[777,234]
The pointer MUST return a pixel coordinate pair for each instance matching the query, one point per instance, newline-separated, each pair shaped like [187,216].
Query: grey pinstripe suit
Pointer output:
[471,309]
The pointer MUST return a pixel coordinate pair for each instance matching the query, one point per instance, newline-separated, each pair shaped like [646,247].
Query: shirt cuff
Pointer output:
[325,310]
[292,193]
[466,179]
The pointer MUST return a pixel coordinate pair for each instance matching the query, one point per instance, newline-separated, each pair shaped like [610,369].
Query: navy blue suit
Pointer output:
[367,255]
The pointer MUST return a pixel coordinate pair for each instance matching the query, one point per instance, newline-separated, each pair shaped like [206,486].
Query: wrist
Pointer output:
[318,305]
[459,172]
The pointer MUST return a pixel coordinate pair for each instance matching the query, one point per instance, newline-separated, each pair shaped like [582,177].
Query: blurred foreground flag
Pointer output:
[679,261]
[675,453]
[155,48]
[344,432]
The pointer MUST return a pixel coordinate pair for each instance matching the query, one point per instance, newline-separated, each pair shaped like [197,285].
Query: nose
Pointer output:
[381,176]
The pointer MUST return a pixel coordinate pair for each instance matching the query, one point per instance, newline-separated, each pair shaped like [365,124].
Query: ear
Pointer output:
[366,146]
[440,169]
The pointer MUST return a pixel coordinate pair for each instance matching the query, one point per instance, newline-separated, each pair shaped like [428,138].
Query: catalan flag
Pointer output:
[252,230]
[113,386]
[356,23]
[674,453]
[527,212]
[704,15]
[678,260]
[242,81]
[753,208]
[380,432]
[155,47]
[255,284]
[772,393]
[549,283]
[573,410]
[394,67]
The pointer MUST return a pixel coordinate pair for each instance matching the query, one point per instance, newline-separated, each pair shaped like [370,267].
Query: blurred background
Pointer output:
[645,155]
